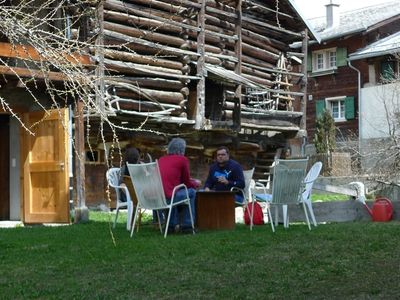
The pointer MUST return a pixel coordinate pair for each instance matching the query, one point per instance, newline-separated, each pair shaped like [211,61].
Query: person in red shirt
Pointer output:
[174,170]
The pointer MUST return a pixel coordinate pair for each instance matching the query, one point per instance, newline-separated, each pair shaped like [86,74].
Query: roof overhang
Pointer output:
[387,46]
[232,77]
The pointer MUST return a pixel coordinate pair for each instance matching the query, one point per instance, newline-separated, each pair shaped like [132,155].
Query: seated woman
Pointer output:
[131,156]
[174,170]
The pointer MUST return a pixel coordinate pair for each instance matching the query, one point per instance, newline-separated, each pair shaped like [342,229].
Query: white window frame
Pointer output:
[326,60]
[328,105]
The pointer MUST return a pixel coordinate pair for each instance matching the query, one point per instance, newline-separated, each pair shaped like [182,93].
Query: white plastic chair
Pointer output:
[248,176]
[287,186]
[311,176]
[146,180]
[113,176]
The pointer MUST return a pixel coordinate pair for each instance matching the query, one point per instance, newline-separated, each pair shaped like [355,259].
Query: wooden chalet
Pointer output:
[335,81]
[213,72]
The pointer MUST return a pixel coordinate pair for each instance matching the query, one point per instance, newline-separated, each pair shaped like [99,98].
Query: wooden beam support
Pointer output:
[201,84]
[238,67]
[31,73]
[27,52]
[81,211]
[303,104]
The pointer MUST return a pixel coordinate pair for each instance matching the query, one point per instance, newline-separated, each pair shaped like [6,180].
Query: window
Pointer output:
[337,108]
[324,59]
[92,156]
[341,108]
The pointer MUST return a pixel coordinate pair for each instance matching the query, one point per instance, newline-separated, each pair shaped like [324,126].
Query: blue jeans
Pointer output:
[239,198]
[180,195]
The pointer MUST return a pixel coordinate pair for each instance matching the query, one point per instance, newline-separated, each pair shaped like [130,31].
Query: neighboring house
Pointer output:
[214,72]
[333,81]
[380,97]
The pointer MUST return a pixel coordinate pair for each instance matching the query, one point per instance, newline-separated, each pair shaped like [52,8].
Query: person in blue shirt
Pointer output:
[224,174]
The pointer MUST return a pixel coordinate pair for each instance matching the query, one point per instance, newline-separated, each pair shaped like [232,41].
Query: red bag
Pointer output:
[258,216]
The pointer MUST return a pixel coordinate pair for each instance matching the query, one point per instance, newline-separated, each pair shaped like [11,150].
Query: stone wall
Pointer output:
[337,211]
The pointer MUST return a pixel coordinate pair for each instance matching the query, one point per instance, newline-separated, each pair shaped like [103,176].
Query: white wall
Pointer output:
[374,117]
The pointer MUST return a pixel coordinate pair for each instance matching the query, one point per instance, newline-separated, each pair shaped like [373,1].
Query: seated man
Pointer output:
[224,174]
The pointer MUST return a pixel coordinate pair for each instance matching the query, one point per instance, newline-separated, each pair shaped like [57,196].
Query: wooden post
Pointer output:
[238,67]
[201,84]
[99,72]
[303,107]
[81,211]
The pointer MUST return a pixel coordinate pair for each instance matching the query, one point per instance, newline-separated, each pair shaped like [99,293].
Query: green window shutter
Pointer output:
[309,62]
[349,108]
[319,108]
[341,57]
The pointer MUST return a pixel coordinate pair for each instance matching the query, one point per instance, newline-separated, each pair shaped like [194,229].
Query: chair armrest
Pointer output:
[124,188]
[259,188]
[310,181]
[236,189]
[178,187]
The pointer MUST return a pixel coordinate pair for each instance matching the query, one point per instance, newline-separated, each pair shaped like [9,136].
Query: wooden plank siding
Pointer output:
[344,81]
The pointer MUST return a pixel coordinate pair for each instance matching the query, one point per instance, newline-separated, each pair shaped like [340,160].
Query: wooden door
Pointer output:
[5,167]
[45,157]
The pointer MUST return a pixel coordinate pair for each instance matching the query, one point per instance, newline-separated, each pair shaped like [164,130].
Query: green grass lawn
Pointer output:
[333,261]
[329,197]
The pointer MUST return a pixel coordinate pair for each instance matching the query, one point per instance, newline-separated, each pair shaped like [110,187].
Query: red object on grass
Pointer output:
[382,210]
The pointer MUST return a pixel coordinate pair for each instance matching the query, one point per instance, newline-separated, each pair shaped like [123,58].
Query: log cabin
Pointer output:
[213,72]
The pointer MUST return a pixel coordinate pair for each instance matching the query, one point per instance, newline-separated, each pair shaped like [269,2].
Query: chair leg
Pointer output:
[251,215]
[134,219]
[116,216]
[307,219]
[276,215]
[140,220]
[246,206]
[285,216]
[191,216]
[159,221]
[310,209]
[130,215]
[270,217]
[167,223]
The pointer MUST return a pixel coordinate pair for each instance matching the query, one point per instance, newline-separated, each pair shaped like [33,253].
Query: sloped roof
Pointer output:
[388,45]
[356,20]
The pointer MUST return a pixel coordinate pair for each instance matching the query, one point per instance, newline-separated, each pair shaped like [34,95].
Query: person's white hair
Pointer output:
[176,146]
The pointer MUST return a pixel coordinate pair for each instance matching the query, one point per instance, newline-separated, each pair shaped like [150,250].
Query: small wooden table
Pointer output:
[215,210]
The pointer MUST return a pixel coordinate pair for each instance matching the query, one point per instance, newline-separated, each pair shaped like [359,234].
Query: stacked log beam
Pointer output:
[155,48]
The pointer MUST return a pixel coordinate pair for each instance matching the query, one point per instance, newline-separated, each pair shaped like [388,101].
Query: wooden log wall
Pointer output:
[154,50]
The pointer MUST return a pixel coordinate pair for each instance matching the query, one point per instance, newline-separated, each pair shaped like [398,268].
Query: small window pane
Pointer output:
[320,61]
[342,109]
[332,59]
[335,109]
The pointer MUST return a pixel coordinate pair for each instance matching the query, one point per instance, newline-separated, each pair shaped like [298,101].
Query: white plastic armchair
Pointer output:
[311,176]
[287,186]
[113,176]
[248,176]
[149,190]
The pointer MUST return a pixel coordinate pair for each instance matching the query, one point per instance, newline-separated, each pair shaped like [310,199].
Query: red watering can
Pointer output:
[382,210]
